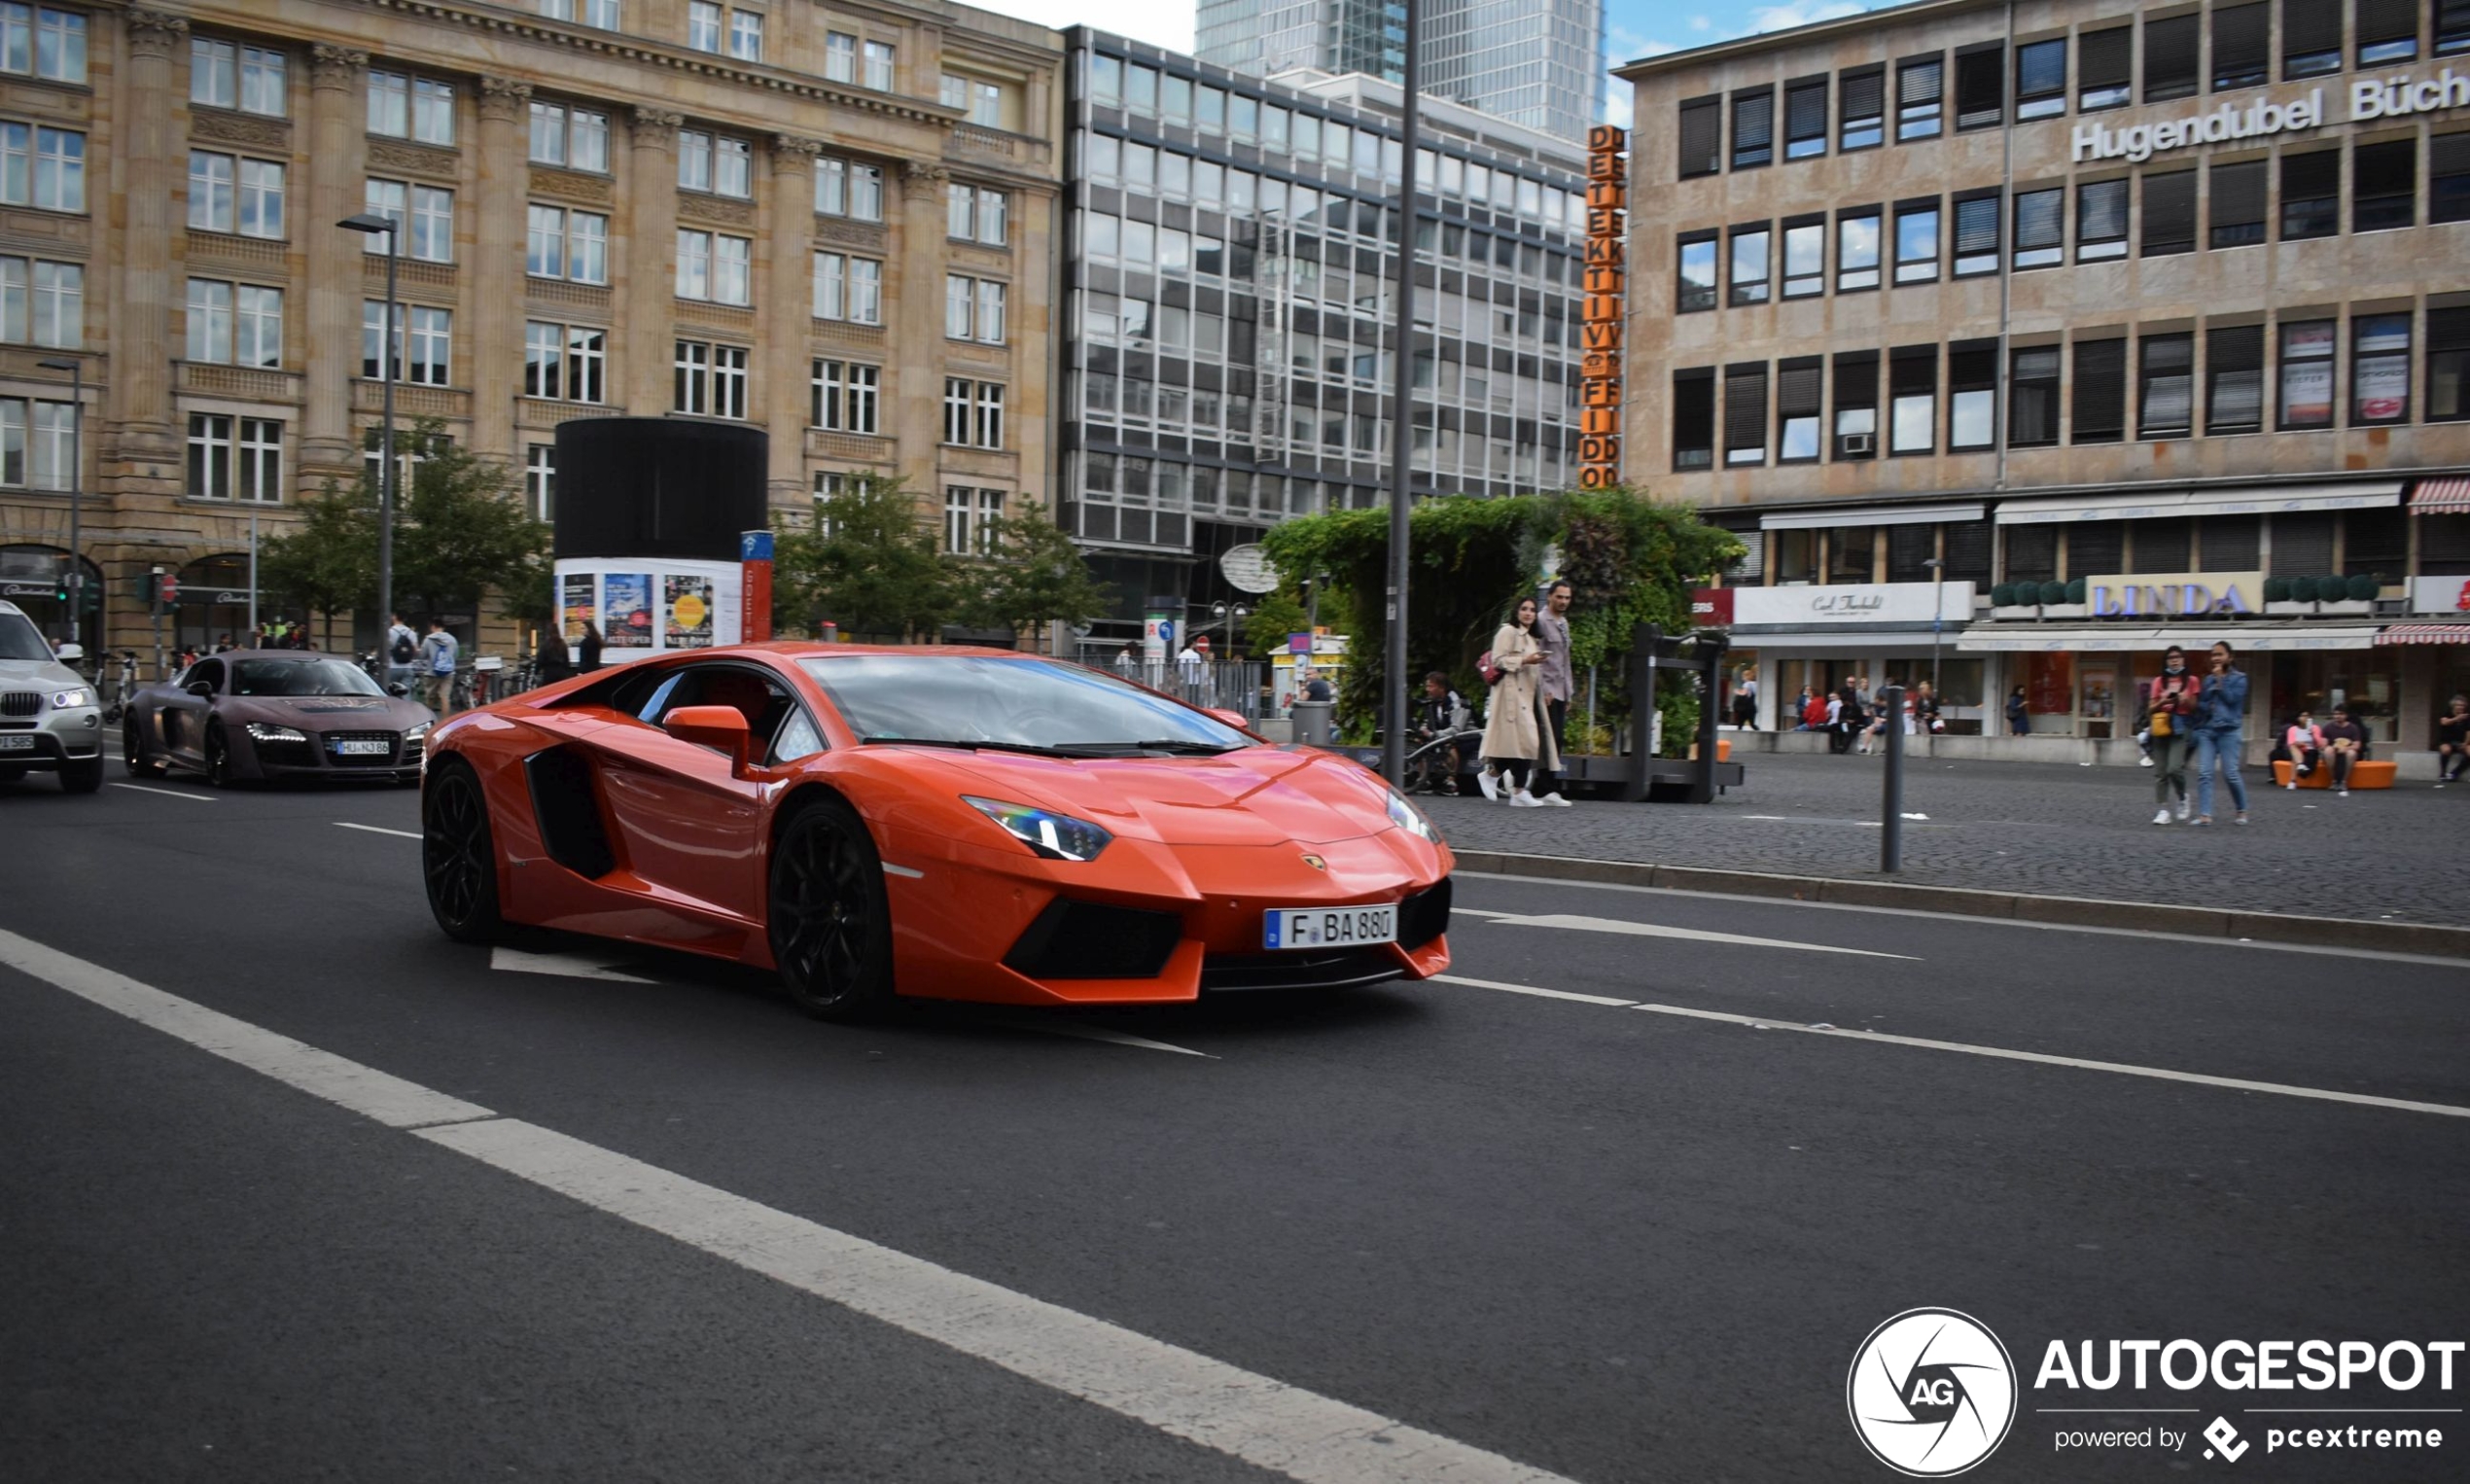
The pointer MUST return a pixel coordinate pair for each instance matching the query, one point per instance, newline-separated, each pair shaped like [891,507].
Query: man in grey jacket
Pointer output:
[1552,636]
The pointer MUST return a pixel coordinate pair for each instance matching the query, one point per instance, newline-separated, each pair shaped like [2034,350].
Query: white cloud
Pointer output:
[1701,23]
[1164,23]
[1783,17]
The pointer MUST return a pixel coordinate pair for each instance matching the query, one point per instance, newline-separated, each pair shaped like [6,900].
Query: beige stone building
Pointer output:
[2072,297]
[831,220]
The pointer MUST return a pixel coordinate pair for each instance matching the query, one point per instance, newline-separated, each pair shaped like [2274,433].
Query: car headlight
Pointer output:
[1411,819]
[419,733]
[73,698]
[263,733]
[1055,837]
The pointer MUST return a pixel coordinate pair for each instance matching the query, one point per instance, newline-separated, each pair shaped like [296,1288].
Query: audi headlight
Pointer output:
[73,698]
[1055,837]
[419,733]
[1411,819]
[263,733]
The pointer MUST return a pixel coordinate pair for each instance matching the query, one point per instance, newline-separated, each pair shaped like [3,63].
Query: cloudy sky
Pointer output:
[1637,27]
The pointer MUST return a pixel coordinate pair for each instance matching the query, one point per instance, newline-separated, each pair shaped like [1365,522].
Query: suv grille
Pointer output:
[20,703]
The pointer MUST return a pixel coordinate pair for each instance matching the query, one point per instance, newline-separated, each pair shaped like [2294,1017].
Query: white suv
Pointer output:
[49,722]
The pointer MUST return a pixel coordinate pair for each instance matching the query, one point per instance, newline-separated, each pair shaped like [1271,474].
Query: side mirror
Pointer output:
[1234,719]
[203,689]
[720,727]
[398,689]
[69,651]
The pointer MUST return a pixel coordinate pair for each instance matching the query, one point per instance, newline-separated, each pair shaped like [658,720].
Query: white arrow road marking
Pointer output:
[572,966]
[139,787]
[409,835]
[1096,1032]
[1660,929]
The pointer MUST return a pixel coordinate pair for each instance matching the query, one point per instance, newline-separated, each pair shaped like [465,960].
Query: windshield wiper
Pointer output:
[988,745]
[1180,746]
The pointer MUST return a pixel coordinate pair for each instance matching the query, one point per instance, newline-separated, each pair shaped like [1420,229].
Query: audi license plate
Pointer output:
[362,747]
[22,742]
[1329,926]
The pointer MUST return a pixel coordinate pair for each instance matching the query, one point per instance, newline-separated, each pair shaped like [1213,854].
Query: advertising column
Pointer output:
[754,580]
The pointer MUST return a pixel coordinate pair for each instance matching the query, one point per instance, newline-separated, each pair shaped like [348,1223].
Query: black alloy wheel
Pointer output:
[458,857]
[830,920]
[218,757]
[133,750]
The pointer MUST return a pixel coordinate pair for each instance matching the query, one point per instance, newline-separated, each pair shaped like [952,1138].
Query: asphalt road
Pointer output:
[1608,1243]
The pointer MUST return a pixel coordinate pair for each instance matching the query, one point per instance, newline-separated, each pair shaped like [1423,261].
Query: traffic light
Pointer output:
[170,592]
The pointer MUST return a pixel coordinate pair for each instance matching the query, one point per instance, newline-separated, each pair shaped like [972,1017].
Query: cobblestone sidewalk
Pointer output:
[2057,831]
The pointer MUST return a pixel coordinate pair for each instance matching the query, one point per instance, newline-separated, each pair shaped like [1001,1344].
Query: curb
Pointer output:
[1963,901]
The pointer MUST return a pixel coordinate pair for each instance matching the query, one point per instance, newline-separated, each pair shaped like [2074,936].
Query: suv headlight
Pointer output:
[263,733]
[72,698]
[1054,836]
[1411,819]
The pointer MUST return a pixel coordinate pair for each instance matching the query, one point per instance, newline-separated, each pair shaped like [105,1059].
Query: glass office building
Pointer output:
[1226,336]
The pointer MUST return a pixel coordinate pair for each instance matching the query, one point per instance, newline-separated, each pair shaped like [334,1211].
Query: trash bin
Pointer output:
[1315,722]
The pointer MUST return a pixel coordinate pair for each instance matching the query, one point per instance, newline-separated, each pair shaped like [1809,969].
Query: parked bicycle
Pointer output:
[122,686]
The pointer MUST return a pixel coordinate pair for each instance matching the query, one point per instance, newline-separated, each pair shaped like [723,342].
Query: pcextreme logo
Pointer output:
[1932,1392]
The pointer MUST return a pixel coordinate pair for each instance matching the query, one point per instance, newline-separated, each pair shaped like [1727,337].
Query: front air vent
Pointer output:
[1424,916]
[1088,940]
[568,809]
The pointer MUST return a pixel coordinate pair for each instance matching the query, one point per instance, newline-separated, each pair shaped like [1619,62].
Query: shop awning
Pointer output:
[2125,638]
[2441,497]
[1874,638]
[2425,633]
[2160,504]
[1868,514]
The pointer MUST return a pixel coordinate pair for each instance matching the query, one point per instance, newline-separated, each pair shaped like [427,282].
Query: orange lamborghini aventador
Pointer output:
[944,823]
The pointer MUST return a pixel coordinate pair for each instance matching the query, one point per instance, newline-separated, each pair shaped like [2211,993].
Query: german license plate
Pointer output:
[362,747]
[1329,926]
[22,742]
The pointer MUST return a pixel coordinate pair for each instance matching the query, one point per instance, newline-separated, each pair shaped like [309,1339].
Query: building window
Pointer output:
[1694,418]
[703,25]
[1977,234]
[1799,403]
[1856,249]
[2169,57]
[2100,220]
[2306,375]
[1917,241]
[976,214]
[220,74]
[1804,258]
[42,167]
[426,214]
[1861,113]
[2166,386]
[2449,174]
[879,59]
[1857,404]
[2387,31]
[982,102]
[710,379]
[845,188]
[1753,127]
[2169,213]
[2040,80]
[209,320]
[2100,391]
[2234,379]
[1805,118]
[229,194]
[229,458]
[2385,186]
[2238,204]
[565,363]
[1912,384]
[561,243]
[2453,28]
[2040,228]
[1745,413]
[539,480]
[231,324]
[1702,137]
[1920,83]
[2310,195]
[845,396]
[968,517]
[2101,63]
[2033,396]
[972,309]
[848,288]
[1981,82]
[1751,280]
[2242,46]
[715,163]
[1697,273]
[44,303]
[424,342]
[714,268]
[42,43]
[405,107]
[575,138]
[2448,365]
[2380,369]
[1972,395]
[840,57]
[972,413]
[2310,37]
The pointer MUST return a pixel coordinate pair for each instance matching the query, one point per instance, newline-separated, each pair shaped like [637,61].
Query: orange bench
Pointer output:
[2369,774]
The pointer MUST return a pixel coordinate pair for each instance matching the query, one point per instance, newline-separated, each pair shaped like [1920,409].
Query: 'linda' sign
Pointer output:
[2175,596]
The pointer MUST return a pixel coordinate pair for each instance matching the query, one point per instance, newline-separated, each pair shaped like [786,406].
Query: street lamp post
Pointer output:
[1937,621]
[1403,421]
[77,497]
[371,221]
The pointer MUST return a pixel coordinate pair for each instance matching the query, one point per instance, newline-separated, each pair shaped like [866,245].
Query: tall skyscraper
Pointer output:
[1533,62]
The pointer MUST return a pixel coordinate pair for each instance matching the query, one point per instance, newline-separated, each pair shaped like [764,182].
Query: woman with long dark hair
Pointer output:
[587,648]
[1517,736]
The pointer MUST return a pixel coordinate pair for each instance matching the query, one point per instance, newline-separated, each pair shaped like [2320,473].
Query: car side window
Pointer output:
[657,704]
[797,738]
[208,670]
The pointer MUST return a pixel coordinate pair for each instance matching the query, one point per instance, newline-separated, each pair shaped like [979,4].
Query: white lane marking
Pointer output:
[2165,1074]
[1243,1414]
[139,787]
[409,835]
[390,1100]
[1532,989]
[572,966]
[904,871]
[1694,935]
[1096,1032]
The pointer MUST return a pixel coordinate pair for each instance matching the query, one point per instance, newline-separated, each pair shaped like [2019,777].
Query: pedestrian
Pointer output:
[552,659]
[2304,743]
[436,669]
[402,650]
[1801,705]
[1317,687]
[1552,678]
[1850,719]
[224,645]
[1745,703]
[1439,713]
[2453,742]
[2221,718]
[2019,714]
[1125,663]
[2345,744]
[1925,711]
[2169,705]
[587,648]
[1517,730]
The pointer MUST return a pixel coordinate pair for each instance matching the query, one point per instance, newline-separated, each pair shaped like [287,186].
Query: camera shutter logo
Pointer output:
[1932,1392]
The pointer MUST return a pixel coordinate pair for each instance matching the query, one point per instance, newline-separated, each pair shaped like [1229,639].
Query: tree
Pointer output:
[861,560]
[328,563]
[1275,615]
[1036,576]
[460,530]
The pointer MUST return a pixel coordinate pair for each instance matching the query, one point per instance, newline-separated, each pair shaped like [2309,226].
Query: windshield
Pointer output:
[300,677]
[1031,703]
[21,640]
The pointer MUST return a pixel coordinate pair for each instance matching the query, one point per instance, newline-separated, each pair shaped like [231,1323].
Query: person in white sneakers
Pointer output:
[2303,741]
[2170,710]
[1517,730]
[2344,743]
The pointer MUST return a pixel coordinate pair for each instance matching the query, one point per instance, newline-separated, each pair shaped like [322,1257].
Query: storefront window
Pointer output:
[2366,680]
[2049,690]
[1849,550]
[30,578]
[1796,558]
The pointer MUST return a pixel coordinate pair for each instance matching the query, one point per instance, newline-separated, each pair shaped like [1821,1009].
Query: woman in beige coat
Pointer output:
[1516,733]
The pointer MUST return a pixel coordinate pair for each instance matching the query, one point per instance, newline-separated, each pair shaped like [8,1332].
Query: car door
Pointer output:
[182,717]
[685,825]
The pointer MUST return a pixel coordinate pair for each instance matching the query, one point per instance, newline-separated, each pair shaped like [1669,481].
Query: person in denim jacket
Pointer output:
[2221,711]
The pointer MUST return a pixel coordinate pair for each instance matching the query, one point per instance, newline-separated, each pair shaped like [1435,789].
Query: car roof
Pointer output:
[7,607]
[810,648]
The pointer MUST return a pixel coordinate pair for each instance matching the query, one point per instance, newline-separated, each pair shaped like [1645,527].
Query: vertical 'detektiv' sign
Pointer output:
[1599,370]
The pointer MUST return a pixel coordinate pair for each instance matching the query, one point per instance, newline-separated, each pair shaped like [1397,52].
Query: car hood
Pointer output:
[328,712]
[46,674]
[1260,795]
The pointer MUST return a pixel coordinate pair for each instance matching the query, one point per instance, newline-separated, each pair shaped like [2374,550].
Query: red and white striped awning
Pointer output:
[2441,497]
[2425,633]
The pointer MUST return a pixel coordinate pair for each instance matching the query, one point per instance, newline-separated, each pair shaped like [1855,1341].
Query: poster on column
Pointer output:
[625,609]
[575,604]
[687,600]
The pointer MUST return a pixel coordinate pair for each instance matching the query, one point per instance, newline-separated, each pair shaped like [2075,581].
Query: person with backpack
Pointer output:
[2221,716]
[436,669]
[1518,737]
[2019,714]
[402,650]
[2169,709]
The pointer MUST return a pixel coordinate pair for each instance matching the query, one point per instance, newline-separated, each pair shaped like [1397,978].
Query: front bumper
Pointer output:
[318,760]
[55,738]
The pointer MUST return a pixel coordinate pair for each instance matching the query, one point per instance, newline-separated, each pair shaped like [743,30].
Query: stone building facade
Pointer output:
[817,220]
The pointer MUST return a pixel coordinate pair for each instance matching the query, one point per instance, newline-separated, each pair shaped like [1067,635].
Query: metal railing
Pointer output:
[1223,684]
